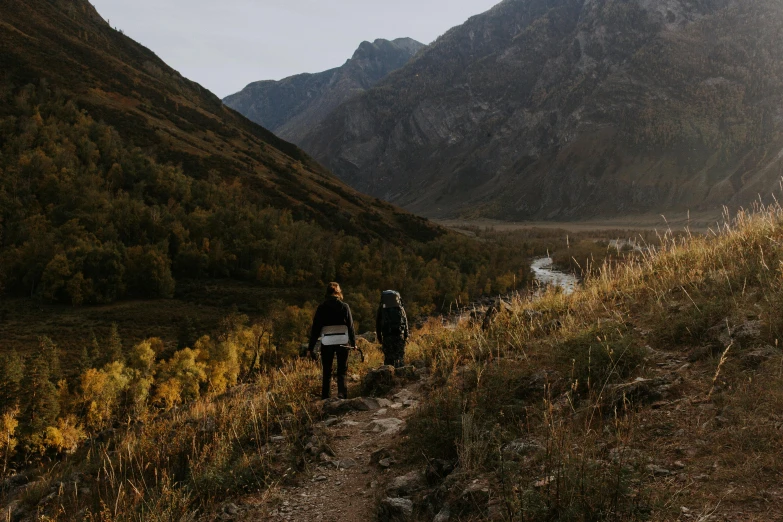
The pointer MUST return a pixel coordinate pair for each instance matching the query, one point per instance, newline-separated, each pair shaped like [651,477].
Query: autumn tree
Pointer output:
[8,440]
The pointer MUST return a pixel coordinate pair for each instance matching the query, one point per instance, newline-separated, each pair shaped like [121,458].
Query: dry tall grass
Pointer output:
[580,407]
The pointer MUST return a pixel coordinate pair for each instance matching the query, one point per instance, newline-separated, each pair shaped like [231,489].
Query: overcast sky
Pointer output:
[226,44]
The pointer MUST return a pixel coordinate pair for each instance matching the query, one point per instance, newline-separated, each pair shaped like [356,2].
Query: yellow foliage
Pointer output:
[142,356]
[101,391]
[65,437]
[168,394]
[139,392]
[185,367]
[221,360]
[8,425]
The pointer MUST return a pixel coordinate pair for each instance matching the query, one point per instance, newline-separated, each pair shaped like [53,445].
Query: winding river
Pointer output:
[546,275]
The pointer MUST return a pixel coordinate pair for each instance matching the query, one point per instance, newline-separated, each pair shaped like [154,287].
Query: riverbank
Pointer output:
[546,275]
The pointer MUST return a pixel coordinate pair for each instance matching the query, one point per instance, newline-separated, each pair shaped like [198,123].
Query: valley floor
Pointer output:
[676,221]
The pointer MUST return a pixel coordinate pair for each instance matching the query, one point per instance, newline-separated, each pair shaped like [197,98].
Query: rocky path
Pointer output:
[350,459]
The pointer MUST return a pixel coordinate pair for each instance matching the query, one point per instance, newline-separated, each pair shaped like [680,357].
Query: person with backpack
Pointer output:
[391,327]
[333,323]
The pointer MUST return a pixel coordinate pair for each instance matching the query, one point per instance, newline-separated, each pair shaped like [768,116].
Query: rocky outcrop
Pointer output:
[574,108]
[291,107]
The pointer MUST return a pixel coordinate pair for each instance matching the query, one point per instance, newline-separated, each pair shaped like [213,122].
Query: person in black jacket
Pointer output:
[391,327]
[333,312]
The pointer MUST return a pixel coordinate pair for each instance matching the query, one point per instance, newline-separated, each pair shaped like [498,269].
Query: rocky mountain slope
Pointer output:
[68,46]
[291,107]
[574,108]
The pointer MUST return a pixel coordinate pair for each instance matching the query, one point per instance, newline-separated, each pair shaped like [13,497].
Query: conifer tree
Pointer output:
[85,361]
[11,375]
[114,352]
[94,350]
[40,398]
[52,355]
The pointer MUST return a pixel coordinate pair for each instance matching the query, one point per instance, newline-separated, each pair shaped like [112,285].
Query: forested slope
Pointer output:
[118,178]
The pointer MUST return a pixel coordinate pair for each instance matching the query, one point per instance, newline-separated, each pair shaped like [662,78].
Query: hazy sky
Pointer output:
[224,45]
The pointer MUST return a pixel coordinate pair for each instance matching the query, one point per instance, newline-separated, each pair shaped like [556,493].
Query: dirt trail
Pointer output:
[345,486]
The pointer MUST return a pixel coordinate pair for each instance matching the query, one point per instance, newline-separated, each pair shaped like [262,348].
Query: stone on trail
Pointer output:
[342,406]
[346,464]
[386,463]
[658,471]
[388,426]
[395,510]
[404,396]
[379,454]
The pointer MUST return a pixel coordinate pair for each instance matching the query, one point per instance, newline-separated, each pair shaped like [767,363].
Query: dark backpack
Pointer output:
[393,315]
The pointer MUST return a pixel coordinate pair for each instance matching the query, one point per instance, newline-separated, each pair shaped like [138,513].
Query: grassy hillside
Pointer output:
[651,394]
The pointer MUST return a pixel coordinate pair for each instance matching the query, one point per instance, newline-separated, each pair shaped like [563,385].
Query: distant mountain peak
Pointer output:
[292,106]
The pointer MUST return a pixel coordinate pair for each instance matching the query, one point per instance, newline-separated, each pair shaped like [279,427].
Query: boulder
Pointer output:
[755,358]
[406,484]
[444,515]
[521,448]
[748,333]
[395,510]
[379,381]
[438,469]
[407,372]
[743,335]
[497,308]
[643,391]
[476,494]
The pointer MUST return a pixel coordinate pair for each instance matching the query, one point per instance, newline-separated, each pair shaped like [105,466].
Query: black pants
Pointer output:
[394,351]
[327,359]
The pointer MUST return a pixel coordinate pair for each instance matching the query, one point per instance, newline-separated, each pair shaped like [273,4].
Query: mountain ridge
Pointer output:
[573,109]
[293,105]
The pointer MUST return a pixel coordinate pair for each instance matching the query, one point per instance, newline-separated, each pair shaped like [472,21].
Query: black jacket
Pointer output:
[379,324]
[332,312]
